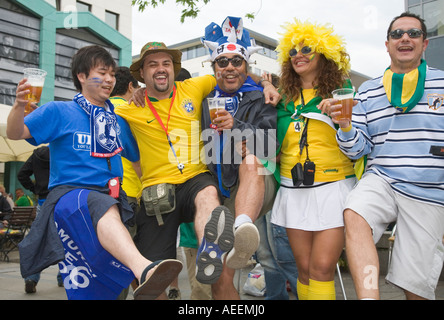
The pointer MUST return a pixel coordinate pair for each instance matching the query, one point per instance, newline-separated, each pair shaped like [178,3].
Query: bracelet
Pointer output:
[264,80]
[347,129]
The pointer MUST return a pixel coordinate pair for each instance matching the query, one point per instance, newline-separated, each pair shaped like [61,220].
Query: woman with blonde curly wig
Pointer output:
[315,176]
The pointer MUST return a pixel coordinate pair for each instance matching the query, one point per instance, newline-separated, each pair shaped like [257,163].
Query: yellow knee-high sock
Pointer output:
[302,290]
[321,290]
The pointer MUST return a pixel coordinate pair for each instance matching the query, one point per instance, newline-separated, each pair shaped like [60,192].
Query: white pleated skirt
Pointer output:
[316,208]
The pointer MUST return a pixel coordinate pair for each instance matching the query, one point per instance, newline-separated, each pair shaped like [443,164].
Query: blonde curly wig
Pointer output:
[320,38]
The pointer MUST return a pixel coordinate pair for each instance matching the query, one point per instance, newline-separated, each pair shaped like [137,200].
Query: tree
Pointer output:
[191,10]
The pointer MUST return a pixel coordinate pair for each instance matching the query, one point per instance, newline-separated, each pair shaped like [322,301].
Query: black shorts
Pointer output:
[159,242]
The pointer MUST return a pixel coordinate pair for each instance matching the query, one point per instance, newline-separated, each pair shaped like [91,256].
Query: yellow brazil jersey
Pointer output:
[157,160]
[131,182]
[323,150]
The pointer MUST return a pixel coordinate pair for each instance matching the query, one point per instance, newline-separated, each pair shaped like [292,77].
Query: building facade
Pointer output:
[432,11]
[195,58]
[46,34]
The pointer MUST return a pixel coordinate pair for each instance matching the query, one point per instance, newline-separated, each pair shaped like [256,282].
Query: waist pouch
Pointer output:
[159,199]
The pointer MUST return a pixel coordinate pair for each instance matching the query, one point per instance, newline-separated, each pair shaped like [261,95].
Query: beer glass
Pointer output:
[345,97]
[36,78]
[215,105]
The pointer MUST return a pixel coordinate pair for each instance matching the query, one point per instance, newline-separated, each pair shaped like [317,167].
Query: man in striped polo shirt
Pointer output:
[398,128]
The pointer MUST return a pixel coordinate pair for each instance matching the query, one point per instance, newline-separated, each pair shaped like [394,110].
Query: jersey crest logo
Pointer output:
[106,132]
[435,101]
[188,106]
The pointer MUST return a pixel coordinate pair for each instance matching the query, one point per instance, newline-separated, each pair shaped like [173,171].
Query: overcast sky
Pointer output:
[362,23]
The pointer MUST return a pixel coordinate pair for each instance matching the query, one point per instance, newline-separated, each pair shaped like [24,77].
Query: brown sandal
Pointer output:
[152,287]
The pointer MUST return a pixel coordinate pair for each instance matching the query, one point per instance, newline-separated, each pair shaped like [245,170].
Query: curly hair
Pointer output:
[329,78]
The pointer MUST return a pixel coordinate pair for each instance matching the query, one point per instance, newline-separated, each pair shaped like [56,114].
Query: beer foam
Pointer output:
[344,96]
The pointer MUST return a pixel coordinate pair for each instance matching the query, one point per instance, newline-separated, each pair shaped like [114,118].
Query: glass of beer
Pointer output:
[345,97]
[36,78]
[215,105]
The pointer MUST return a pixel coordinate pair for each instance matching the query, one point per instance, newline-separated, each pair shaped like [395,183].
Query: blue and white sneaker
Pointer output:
[218,240]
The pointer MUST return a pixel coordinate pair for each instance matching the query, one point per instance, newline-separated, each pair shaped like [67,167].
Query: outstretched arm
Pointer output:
[16,129]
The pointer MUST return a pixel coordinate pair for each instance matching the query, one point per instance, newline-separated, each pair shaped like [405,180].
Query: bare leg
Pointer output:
[115,239]
[224,288]
[250,195]
[206,200]
[412,296]
[301,245]
[316,253]
[326,250]
[361,255]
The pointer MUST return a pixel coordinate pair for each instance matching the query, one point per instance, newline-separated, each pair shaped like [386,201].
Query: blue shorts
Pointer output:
[89,272]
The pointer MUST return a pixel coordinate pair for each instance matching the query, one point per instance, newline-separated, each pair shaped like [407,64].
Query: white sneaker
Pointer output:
[246,242]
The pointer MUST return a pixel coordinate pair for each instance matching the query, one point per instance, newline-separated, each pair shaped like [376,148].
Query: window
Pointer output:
[191,53]
[201,51]
[112,19]
[433,53]
[434,17]
[432,11]
[267,50]
[55,3]
[19,49]
[82,7]
[194,52]
[68,41]
[416,10]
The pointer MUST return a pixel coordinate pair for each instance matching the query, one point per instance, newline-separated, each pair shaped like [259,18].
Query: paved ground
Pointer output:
[12,285]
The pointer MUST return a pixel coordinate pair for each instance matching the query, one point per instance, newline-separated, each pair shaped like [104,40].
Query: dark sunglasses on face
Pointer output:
[224,61]
[305,50]
[413,33]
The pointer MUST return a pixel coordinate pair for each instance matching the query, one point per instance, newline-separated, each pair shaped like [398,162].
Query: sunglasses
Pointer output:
[413,33]
[305,50]
[223,62]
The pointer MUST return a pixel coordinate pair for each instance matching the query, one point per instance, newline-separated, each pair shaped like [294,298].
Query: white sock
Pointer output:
[241,219]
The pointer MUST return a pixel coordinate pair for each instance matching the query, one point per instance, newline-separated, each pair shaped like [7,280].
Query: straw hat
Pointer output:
[151,48]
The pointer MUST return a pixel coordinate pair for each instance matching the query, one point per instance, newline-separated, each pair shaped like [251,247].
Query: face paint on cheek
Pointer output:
[312,57]
[218,75]
[94,82]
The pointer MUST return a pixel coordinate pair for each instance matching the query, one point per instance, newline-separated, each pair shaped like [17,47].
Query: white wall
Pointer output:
[98,7]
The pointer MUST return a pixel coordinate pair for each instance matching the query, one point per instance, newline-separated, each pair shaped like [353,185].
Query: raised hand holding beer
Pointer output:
[340,108]
[221,119]
[15,128]
[36,79]
[345,97]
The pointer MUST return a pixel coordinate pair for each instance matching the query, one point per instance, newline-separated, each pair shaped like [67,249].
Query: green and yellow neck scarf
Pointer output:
[404,91]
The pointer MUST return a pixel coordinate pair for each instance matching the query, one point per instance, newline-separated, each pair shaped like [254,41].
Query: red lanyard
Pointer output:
[180,166]
[157,115]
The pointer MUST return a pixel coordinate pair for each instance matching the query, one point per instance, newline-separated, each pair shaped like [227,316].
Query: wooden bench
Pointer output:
[18,224]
